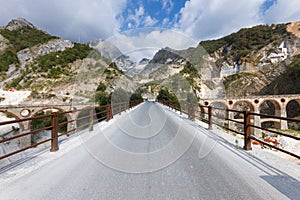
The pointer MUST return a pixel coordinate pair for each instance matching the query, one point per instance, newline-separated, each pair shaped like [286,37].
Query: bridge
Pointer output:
[151,151]
[255,103]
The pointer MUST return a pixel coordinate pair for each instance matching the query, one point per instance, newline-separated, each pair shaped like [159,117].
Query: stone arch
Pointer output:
[295,102]
[68,115]
[293,111]
[218,103]
[15,116]
[248,102]
[276,104]
[274,110]
[221,113]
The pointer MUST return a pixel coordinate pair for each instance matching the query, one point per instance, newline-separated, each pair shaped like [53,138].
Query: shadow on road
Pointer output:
[284,184]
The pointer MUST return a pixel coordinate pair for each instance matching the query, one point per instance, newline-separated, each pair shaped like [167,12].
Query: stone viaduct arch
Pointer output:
[280,103]
[21,124]
[68,115]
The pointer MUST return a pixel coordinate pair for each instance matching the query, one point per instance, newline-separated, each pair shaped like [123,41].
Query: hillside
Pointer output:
[252,61]
[54,70]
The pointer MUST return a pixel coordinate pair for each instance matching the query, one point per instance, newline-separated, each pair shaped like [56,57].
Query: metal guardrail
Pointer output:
[99,113]
[206,114]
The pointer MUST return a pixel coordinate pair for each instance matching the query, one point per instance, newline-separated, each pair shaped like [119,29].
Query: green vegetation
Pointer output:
[41,123]
[189,69]
[112,71]
[46,121]
[114,66]
[26,37]
[102,98]
[294,69]
[101,87]
[137,95]
[236,77]
[286,83]
[7,58]
[165,95]
[63,58]
[15,82]
[192,73]
[246,40]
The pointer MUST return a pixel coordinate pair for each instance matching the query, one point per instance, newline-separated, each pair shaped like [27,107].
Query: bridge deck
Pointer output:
[182,160]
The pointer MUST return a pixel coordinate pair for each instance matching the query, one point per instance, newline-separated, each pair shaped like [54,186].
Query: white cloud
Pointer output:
[87,19]
[283,11]
[204,19]
[167,5]
[140,18]
[137,17]
[149,21]
[165,22]
[140,12]
[142,43]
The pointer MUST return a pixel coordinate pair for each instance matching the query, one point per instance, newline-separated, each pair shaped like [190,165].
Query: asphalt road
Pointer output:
[152,153]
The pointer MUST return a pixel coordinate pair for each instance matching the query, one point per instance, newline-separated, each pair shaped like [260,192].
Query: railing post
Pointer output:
[108,112]
[202,112]
[54,133]
[209,118]
[91,126]
[247,131]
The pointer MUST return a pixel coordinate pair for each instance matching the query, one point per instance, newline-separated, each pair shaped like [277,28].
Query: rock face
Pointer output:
[3,43]
[29,54]
[72,77]
[294,28]
[18,23]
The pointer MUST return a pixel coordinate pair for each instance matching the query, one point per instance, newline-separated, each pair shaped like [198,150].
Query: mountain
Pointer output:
[252,61]
[18,23]
[53,69]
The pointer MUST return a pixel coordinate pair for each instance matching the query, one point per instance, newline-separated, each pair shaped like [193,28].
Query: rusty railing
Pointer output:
[91,116]
[221,117]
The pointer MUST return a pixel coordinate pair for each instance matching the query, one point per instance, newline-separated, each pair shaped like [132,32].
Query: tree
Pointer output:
[165,95]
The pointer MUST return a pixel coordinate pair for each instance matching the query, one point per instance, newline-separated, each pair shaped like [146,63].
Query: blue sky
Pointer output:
[156,13]
[86,20]
[267,4]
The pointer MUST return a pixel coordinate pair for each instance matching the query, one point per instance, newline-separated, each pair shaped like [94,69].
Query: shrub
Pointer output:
[165,95]
[25,37]
[6,59]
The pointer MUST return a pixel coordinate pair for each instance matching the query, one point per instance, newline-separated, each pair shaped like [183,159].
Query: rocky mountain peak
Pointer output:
[144,61]
[18,23]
